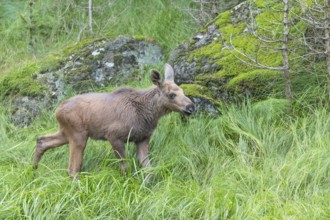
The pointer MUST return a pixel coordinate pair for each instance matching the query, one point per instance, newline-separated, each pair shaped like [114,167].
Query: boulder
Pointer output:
[114,62]
[86,66]
[207,62]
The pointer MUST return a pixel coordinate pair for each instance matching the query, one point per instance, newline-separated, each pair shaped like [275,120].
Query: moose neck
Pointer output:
[153,107]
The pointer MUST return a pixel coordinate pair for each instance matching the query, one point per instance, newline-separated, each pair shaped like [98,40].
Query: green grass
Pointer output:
[58,24]
[250,163]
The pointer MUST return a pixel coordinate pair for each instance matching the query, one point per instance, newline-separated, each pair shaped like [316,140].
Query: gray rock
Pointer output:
[88,68]
[106,63]
[205,105]
[25,108]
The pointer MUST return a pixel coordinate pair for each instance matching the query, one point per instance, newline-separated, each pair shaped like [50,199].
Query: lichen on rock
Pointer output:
[89,65]
[114,62]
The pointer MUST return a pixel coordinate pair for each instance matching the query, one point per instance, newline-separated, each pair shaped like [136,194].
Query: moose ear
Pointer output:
[169,72]
[156,78]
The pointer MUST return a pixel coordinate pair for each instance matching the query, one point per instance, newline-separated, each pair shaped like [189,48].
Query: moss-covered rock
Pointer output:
[205,60]
[89,65]
[256,83]
[201,96]
[213,57]
[109,62]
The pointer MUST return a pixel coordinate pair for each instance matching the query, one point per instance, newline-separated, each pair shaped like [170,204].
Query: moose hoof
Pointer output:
[73,174]
[35,166]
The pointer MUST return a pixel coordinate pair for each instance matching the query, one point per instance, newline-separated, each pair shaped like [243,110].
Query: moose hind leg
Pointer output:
[47,142]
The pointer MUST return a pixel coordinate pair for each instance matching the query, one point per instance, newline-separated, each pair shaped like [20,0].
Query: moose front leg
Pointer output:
[142,149]
[77,146]
[119,149]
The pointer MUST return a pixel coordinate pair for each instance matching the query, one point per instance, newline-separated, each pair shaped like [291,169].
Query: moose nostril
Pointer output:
[190,108]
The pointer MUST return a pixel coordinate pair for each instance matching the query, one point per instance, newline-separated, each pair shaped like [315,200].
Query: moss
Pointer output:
[22,82]
[210,51]
[196,90]
[232,66]
[118,59]
[82,46]
[253,48]
[216,53]
[298,28]
[143,38]
[100,56]
[207,77]
[259,3]
[50,63]
[76,47]
[219,69]
[263,3]
[223,19]
[230,31]
[257,82]
[270,22]
[231,74]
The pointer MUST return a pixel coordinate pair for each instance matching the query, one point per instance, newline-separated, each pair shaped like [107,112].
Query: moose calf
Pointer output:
[124,115]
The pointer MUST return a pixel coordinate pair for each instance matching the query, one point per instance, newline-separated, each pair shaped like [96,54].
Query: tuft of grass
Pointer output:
[252,162]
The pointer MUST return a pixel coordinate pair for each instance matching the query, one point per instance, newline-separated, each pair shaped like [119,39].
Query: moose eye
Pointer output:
[172,95]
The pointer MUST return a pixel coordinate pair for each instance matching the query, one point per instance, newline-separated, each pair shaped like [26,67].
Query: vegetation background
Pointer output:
[254,161]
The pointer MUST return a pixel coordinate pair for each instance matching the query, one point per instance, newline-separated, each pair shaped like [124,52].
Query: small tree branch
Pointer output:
[31,26]
[251,61]
[90,15]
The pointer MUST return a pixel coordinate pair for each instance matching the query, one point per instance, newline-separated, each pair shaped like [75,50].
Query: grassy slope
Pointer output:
[249,163]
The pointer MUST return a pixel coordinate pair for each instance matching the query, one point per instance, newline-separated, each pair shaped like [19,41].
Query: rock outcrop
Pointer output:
[207,62]
[87,66]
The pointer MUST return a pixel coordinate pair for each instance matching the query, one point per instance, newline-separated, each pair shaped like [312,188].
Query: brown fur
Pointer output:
[124,115]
